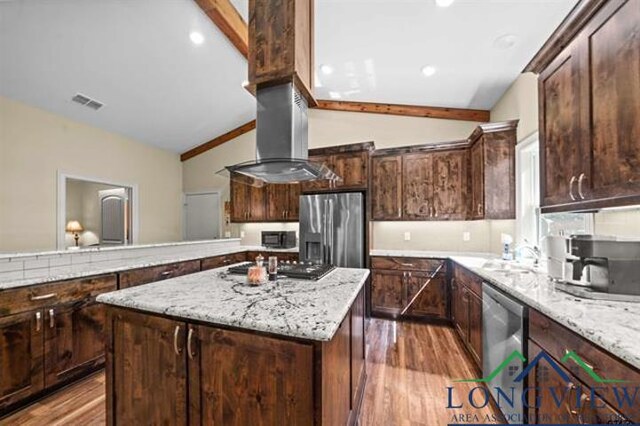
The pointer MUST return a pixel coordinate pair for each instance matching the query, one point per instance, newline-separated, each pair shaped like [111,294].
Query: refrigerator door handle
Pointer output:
[331,251]
[324,231]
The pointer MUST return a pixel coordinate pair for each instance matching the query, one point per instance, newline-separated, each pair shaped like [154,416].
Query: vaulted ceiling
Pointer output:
[159,87]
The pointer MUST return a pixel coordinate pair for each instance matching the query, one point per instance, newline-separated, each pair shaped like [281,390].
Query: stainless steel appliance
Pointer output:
[332,229]
[503,332]
[603,264]
[555,251]
[279,239]
[303,271]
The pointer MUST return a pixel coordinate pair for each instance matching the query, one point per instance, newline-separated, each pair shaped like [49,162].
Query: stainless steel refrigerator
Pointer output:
[332,229]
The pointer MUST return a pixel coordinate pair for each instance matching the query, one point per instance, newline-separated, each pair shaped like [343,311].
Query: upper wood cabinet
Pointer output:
[493,171]
[283,202]
[386,187]
[450,184]
[349,162]
[589,99]
[417,186]
[248,203]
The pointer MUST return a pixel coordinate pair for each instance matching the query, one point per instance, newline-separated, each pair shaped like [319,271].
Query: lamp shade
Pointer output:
[74,226]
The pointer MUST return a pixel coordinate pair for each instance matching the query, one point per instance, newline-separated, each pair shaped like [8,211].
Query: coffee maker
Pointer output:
[603,264]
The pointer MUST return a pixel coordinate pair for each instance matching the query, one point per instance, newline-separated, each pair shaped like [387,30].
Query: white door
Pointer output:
[202,216]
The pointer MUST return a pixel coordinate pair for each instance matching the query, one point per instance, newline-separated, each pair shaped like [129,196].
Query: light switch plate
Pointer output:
[241,234]
[407,236]
[466,236]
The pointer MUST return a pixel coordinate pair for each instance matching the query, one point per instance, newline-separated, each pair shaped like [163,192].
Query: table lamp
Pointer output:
[75,227]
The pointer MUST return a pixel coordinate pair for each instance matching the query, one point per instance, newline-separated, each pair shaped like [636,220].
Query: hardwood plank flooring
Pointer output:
[409,367]
[81,404]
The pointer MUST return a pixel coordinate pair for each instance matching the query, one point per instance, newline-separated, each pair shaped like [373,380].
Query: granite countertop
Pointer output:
[118,265]
[294,308]
[614,326]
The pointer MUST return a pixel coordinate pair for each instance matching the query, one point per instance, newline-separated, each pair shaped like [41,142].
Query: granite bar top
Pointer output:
[118,265]
[614,326]
[310,310]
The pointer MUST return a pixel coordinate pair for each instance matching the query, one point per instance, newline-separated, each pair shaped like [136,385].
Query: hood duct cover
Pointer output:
[281,141]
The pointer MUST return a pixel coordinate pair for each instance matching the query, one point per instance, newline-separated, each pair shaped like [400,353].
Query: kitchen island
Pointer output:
[207,348]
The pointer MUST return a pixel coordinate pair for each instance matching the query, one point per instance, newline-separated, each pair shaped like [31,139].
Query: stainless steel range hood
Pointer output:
[281,141]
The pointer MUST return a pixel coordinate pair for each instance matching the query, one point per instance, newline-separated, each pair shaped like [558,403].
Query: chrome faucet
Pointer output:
[534,250]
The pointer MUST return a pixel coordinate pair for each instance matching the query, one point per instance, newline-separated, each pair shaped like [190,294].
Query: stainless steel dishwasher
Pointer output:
[504,330]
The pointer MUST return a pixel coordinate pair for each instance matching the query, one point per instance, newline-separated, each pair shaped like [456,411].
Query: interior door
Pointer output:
[113,220]
[21,356]
[202,216]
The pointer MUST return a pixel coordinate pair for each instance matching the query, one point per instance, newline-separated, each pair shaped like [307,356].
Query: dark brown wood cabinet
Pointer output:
[283,202]
[224,260]
[418,286]
[450,184]
[139,388]
[417,186]
[151,274]
[492,173]
[349,162]
[248,203]
[386,187]
[226,376]
[590,114]
[467,310]
[21,356]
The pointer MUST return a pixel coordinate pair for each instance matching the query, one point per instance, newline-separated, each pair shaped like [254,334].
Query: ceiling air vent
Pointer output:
[87,101]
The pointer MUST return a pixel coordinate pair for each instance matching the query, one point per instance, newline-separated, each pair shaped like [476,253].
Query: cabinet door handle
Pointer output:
[189,340]
[38,321]
[435,211]
[176,334]
[580,180]
[479,208]
[567,351]
[168,273]
[43,297]
[52,318]
[571,182]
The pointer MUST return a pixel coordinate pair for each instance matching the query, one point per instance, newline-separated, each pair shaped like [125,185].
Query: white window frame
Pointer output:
[527,144]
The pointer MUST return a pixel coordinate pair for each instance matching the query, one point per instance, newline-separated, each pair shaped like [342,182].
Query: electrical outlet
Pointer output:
[241,234]
[227,234]
[407,236]
[466,236]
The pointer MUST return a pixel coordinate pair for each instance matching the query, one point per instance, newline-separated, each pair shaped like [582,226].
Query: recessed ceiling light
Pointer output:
[326,69]
[444,3]
[428,70]
[506,41]
[196,37]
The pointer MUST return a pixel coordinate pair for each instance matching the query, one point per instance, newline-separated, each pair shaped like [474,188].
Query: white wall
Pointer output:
[35,145]
[328,128]
[520,101]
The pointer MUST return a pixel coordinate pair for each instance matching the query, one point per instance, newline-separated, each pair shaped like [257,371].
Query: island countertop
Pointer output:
[303,309]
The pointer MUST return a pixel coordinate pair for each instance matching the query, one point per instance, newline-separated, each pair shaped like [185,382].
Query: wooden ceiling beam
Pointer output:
[232,134]
[229,21]
[406,110]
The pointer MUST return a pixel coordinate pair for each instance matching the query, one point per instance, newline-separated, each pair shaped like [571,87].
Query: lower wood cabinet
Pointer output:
[163,371]
[467,310]
[21,356]
[419,284]
[220,261]
[151,274]
[59,339]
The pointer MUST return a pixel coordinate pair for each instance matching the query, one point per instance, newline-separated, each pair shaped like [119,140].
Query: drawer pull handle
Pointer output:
[168,273]
[590,366]
[406,264]
[38,321]
[43,297]
[189,340]
[176,334]
[52,318]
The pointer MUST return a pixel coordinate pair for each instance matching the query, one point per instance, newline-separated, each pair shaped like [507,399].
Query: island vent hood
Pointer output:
[281,141]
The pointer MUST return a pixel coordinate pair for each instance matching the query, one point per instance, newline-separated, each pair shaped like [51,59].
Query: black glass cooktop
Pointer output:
[298,270]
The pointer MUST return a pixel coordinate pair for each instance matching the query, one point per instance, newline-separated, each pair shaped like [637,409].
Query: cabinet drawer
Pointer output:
[468,279]
[38,296]
[225,260]
[405,263]
[157,273]
[557,340]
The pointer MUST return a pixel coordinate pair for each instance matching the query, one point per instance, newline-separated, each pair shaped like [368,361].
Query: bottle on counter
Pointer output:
[273,268]
[257,274]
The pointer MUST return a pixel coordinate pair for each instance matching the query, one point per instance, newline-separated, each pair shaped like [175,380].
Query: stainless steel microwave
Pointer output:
[279,239]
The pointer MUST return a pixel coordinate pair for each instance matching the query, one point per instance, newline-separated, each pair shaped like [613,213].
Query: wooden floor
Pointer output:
[409,368]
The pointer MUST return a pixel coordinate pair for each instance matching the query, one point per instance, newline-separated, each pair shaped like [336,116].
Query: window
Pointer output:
[528,191]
